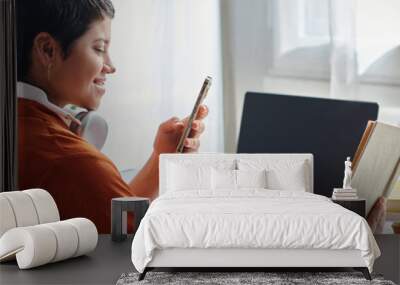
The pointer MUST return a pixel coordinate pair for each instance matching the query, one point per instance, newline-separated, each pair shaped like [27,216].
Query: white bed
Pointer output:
[209,226]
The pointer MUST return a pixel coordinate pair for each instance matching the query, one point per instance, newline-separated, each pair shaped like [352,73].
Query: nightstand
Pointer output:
[119,208]
[356,205]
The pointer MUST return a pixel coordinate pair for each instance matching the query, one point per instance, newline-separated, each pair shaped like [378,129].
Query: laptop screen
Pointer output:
[330,129]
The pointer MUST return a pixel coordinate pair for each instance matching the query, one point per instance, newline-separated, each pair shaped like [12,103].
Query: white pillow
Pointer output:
[182,177]
[251,178]
[223,179]
[281,174]
[293,179]
[236,179]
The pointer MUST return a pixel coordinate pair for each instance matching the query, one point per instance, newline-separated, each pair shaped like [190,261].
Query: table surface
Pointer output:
[131,199]
[102,266]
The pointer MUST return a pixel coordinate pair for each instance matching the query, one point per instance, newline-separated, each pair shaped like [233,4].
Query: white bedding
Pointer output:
[250,218]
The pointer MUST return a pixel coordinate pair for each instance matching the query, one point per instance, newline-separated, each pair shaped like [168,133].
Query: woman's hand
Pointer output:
[377,215]
[170,132]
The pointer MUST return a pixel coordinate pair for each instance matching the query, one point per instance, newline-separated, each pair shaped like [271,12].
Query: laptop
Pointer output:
[330,129]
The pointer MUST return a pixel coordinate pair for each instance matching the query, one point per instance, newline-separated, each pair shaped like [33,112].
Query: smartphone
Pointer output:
[200,99]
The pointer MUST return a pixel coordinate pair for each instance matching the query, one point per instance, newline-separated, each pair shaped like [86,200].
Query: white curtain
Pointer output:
[344,65]
[162,50]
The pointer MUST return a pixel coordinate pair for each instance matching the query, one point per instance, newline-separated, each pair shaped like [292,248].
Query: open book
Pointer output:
[376,163]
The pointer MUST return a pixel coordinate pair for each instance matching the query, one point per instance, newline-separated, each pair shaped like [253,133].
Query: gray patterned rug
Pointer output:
[230,278]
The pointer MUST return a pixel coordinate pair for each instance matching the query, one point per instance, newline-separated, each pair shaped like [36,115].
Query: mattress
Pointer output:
[251,219]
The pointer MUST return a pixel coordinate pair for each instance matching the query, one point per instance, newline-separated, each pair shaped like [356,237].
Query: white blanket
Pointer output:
[250,218]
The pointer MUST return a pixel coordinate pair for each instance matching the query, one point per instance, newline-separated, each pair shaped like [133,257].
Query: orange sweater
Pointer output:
[81,179]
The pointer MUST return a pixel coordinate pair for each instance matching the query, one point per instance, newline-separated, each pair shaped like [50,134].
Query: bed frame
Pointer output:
[242,259]
[246,258]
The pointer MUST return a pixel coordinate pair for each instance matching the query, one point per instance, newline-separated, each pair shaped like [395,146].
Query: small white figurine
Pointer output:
[347,174]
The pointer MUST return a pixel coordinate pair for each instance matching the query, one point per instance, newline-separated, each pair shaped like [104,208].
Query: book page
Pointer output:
[377,164]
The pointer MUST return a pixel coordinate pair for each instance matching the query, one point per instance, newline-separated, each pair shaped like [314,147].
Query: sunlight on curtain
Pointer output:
[344,65]
[162,50]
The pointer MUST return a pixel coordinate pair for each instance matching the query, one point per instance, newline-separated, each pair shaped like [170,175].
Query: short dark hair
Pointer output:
[64,20]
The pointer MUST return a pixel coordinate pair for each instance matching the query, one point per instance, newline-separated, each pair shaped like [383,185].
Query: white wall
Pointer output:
[387,96]
[162,50]
[245,26]
[163,53]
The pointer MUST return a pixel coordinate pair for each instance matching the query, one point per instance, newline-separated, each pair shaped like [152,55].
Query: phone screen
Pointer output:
[200,98]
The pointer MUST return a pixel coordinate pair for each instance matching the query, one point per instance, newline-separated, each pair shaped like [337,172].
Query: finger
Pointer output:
[198,128]
[189,150]
[377,213]
[371,219]
[382,200]
[192,143]
[202,113]
[196,124]
[380,222]
[171,125]
[383,209]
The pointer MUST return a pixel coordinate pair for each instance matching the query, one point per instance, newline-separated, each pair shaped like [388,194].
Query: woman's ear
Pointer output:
[45,49]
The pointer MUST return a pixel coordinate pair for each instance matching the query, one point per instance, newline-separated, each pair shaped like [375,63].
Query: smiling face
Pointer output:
[80,78]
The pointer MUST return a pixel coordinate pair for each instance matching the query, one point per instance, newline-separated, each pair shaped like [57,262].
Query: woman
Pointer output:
[63,59]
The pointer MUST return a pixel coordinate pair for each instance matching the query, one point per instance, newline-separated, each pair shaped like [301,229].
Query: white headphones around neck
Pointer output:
[93,128]
[87,124]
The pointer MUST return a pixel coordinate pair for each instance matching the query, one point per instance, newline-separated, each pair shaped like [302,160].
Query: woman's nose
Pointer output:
[109,67]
